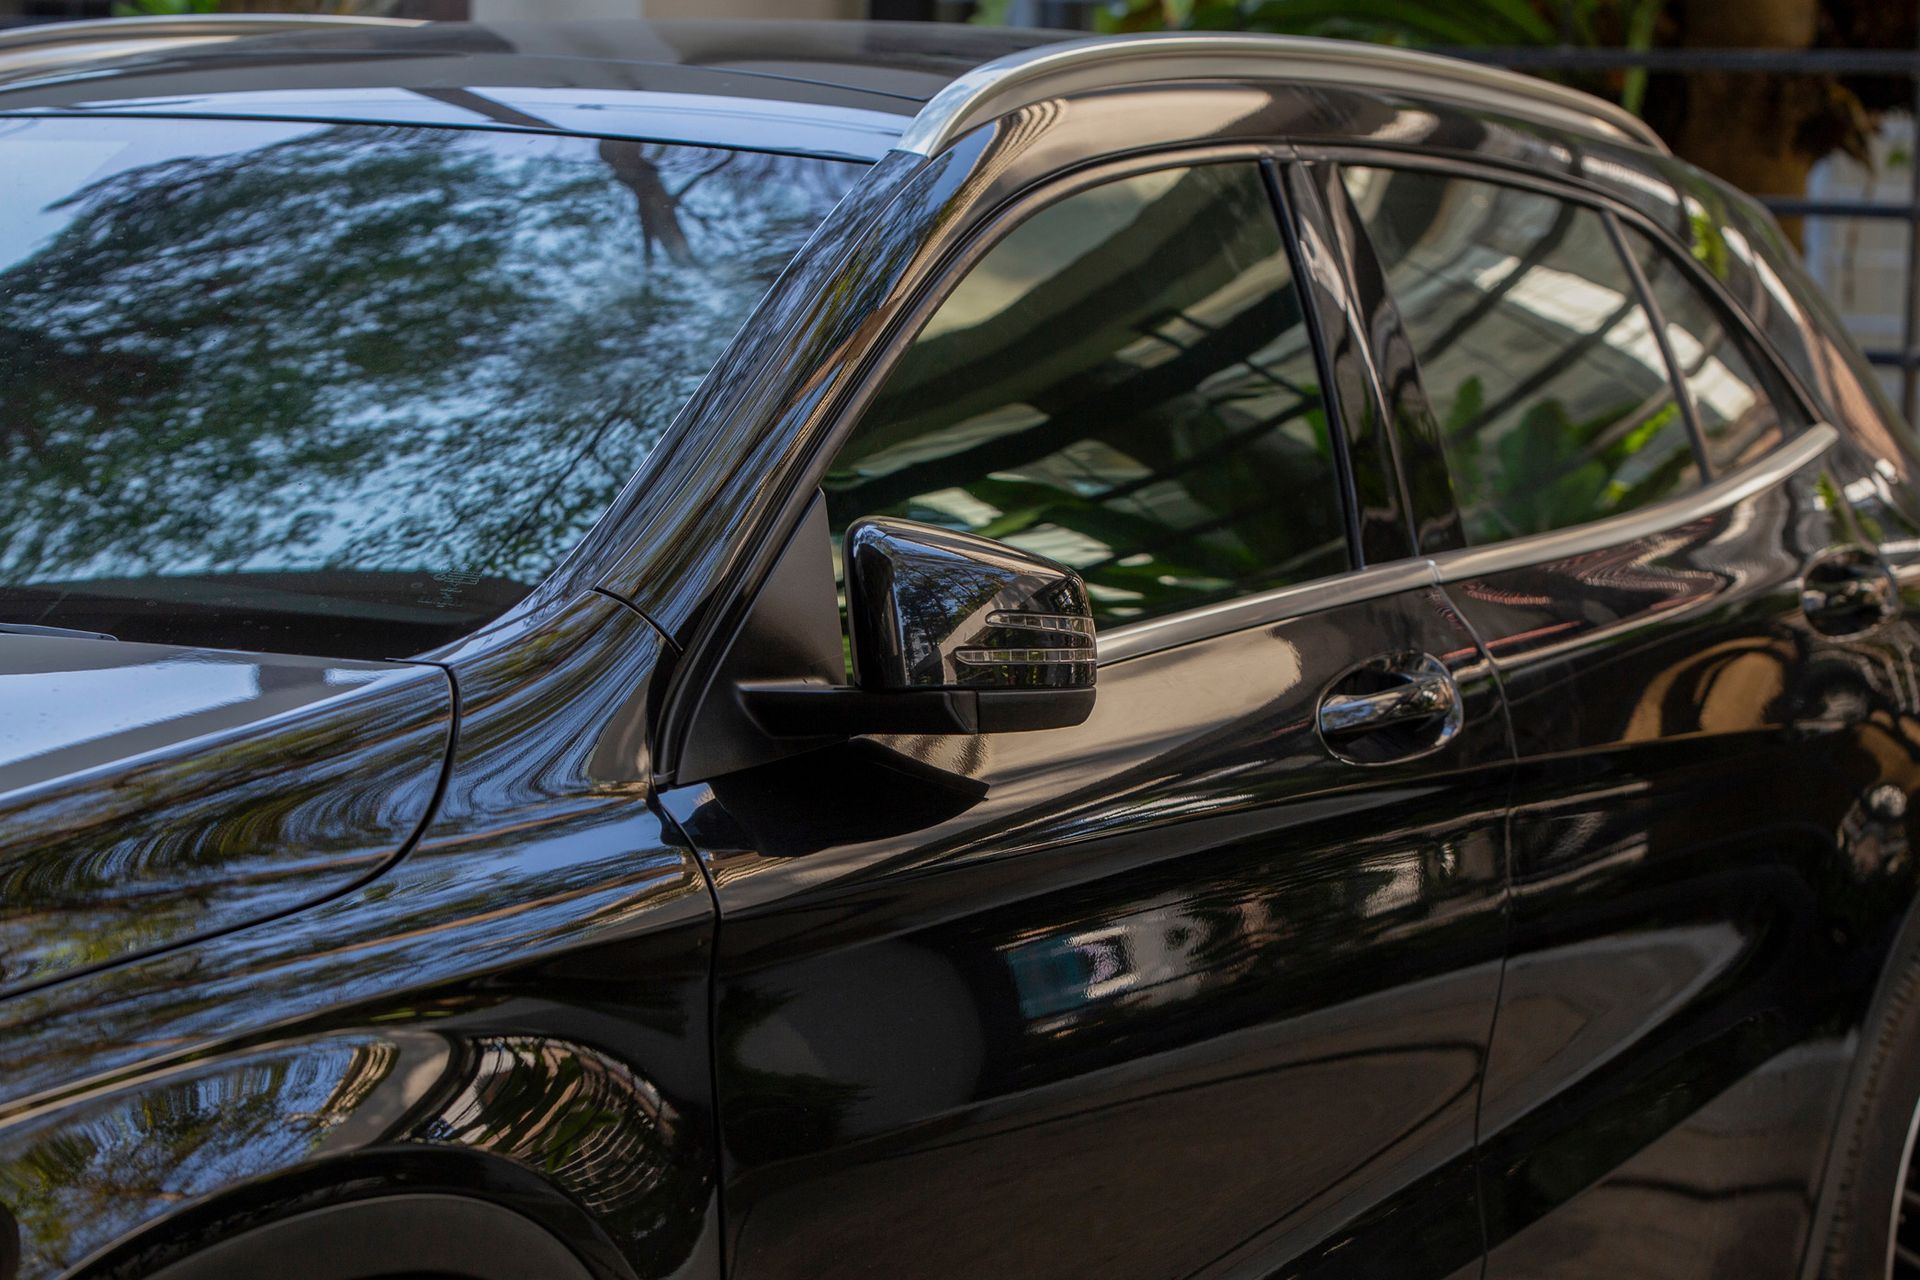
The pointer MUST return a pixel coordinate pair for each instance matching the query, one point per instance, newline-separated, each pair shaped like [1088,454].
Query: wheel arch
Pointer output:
[375,1213]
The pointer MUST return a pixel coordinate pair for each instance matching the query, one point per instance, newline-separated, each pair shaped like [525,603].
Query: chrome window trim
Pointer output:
[993,89]
[1141,638]
[1137,639]
[1735,486]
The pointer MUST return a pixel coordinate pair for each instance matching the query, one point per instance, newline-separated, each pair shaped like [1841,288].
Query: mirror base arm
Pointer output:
[809,709]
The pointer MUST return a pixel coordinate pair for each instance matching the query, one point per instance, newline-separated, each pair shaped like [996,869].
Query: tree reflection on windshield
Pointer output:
[349,390]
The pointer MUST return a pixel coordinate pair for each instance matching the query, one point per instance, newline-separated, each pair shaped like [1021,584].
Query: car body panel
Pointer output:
[1710,810]
[1159,954]
[1710,861]
[544,933]
[1027,147]
[150,795]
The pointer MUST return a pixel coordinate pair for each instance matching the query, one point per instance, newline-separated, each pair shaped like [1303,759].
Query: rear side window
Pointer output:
[1554,399]
[1124,383]
[347,391]
[1740,418]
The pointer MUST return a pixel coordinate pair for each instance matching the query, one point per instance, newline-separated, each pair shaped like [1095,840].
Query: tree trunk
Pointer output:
[659,210]
[1745,126]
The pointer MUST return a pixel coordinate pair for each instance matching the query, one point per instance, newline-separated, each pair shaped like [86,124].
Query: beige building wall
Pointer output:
[1862,262]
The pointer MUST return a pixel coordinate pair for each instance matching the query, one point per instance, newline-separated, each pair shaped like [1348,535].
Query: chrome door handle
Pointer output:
[1396,707]
[1420,698]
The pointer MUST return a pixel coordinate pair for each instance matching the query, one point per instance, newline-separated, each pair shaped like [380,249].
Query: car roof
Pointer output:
[839,89]
[822,88]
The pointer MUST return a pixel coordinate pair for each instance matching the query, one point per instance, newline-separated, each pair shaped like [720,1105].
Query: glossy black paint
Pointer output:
[515,1011]
[1731,842]
[936,608]
[150,795]
[1710,860]
[1714,765]
[1174,991]
[1367,393]
[1159,955]
[1808,1096]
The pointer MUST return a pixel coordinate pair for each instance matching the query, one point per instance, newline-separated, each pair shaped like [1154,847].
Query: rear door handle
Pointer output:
[1398,706]
[1848,590]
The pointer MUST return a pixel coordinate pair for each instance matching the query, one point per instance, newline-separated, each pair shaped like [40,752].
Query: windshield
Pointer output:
[348,391]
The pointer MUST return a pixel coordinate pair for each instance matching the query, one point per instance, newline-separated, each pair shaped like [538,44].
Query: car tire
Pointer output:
[1874,1230]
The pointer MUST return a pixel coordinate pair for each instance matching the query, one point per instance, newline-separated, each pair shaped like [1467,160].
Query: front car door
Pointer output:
[1708,839]
[1202,985]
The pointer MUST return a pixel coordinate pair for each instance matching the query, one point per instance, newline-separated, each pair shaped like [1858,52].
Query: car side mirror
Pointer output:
[952,633]
[935,609]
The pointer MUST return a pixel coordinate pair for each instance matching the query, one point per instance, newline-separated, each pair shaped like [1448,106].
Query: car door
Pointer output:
[1708,695]
[1202,985]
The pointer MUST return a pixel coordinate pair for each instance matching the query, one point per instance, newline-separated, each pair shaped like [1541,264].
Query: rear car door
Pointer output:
[1693,629]
[1202,985]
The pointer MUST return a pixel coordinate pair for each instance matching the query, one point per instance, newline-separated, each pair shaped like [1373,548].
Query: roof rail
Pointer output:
[50,46]
[995,88]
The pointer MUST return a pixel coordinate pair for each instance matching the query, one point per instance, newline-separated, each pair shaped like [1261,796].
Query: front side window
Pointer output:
[347,390]
[1554,399]
[1124,383]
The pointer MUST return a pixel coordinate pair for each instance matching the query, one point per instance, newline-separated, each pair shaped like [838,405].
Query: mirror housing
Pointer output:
[952,633]
[931,608]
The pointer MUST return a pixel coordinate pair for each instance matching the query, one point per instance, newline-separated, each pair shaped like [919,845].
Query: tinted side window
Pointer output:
[1555,402]
[1739,419]
[347,390]
[1124,383]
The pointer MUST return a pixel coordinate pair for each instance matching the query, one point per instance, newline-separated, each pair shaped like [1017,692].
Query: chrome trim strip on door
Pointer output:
[1017,80]
[1474,562]
[1361,585]
[1139,638]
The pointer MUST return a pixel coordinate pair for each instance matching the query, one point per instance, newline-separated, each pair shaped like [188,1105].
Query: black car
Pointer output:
[859,650]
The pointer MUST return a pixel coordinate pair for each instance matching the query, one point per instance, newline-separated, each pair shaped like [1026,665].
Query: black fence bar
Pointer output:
[1910,332]
[1817,207]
